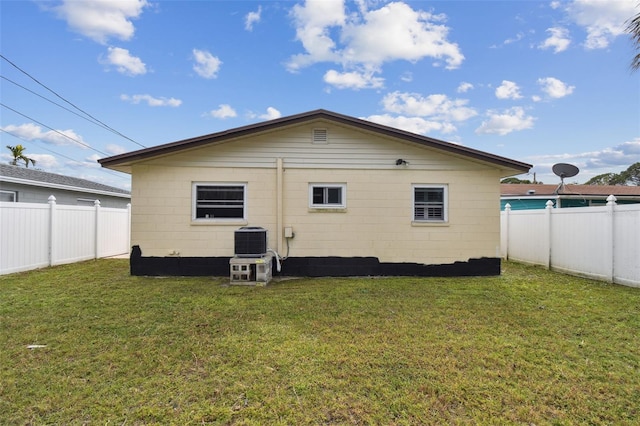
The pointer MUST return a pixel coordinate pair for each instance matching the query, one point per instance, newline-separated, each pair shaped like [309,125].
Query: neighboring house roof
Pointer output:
[540,190]
[25,176]
[123,162]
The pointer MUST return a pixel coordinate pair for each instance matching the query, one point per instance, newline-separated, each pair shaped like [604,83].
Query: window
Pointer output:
[219,201]
[327,195]
[10,196]
[430,203]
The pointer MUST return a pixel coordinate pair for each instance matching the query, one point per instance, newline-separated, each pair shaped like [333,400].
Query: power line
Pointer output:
[61,155]
[70,103]
[54,130]
[56,104]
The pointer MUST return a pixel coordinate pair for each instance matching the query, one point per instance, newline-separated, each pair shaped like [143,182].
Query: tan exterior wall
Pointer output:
[376,222]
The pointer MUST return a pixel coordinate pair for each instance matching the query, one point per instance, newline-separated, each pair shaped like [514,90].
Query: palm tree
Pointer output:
[18,155]
[633,28]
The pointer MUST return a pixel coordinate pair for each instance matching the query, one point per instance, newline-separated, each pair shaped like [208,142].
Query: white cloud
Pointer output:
[508,90]
[353,80]
[252,18]
[591,163]
[515,39]
[101,20]
[206,65]
[114,149]
[504,123]
[423,114]
[602,20]
[412,124]
[124,62]
[397,32]
[44,161]
[30,132]
[90,162]
[558,40]
[313,21]
[271,114]
[366,39]
[438,107]
[624,154]
[224,111]
[151,101]
[555,88]
[464,87]
[407,77]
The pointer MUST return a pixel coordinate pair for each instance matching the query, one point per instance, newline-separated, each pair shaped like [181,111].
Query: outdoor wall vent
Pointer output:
[320,136]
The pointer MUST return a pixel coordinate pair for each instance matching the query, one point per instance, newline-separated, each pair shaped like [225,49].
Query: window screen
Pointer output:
[220,202]
[429,203]
[327,195]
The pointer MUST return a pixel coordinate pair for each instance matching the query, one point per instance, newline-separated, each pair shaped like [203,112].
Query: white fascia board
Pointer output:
[529,197]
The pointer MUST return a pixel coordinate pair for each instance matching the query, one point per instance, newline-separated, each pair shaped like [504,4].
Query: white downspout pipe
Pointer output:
[279,204]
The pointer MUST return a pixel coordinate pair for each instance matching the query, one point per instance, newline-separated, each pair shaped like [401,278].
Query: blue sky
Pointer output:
[536,81]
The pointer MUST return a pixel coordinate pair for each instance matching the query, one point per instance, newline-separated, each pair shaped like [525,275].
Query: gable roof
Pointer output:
[542,190]
[25,176]
[123,162]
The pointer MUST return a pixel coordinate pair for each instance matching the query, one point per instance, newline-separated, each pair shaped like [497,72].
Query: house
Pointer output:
[20,184]
[535,196]
[337,195]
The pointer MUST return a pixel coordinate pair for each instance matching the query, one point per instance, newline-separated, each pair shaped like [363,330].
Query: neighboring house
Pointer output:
[338,196]
[19,184]
[535,196]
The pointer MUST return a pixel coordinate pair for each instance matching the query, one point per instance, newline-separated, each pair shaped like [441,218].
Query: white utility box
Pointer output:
[251,270]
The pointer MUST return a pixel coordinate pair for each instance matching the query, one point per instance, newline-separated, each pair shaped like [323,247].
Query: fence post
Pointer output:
[610,243]
[129,228]
[507,212]
[547,235]
[96,203]
[52,227]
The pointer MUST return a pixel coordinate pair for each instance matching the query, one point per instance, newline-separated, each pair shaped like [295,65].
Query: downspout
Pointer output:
[279,203]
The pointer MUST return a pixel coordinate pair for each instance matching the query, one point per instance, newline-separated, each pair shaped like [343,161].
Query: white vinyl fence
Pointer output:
[38,235]
[596,242]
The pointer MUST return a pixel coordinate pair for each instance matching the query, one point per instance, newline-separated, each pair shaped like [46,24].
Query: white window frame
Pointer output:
[326,186]
[194,202]
[445,202]
[14,193]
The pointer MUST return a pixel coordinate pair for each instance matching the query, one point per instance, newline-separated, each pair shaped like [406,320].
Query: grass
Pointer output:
[528,347]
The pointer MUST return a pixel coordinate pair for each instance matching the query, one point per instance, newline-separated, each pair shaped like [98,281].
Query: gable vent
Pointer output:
[320,136]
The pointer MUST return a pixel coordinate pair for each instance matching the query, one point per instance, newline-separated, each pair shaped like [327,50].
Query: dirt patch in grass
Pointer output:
[528,347]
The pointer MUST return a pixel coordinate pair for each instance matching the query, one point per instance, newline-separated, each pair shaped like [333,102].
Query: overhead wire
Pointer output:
[54,130]
[85,115]
[55,103]
[62,155]
[102,124]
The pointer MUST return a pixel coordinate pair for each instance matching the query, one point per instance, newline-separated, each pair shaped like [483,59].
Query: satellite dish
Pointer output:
[564,170]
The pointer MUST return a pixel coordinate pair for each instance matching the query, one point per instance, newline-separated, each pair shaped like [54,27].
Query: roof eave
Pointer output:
[123,162]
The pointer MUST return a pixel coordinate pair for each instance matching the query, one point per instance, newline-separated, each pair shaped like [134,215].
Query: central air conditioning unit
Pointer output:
[250,241]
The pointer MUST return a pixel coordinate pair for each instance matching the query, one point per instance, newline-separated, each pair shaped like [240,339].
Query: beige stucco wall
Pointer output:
[376,222]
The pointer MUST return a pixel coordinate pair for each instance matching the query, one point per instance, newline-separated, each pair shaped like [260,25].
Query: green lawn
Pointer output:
[528,347]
